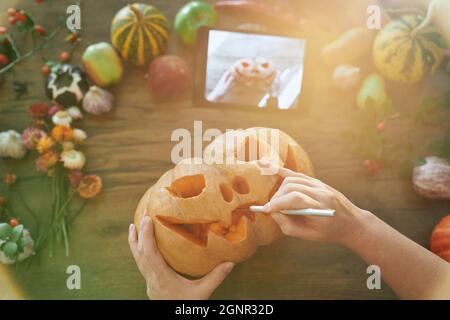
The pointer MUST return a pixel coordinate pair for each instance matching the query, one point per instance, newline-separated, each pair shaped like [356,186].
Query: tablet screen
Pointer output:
[252,69]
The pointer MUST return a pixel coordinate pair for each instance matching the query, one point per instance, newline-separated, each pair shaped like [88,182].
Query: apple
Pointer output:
[191,17]
[168,76]
[103,64]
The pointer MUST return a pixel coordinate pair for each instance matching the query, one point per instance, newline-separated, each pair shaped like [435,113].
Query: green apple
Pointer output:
[102,64]
[191,17]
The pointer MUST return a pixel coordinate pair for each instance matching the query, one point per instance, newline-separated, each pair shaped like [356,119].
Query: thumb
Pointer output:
[213,279]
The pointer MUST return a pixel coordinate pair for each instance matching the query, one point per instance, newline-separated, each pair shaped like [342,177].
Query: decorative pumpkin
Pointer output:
[140,33]
[66,85]
[169,76]
[200,211]
[440,239]
[404,56]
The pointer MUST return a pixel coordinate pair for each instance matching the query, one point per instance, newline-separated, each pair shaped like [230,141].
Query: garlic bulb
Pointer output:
[432,180]
[98,101]
[346,77]
[11,145]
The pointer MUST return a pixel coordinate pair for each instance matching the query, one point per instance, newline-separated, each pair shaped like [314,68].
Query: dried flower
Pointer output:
[3,201]
[9,179]
[67,145]
[75,177]
[38,110]
[90,186]
[46,161]
[79,135]
[62,133]
[31,136]
[54,109]
[62,118]
[11,145]
[45,144]
[73,159]
[75,113]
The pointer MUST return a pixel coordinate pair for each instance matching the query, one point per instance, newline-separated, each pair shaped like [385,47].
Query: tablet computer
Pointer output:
[248,69]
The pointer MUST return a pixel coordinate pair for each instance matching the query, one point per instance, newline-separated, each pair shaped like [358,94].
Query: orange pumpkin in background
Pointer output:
[200,210]
[440,239]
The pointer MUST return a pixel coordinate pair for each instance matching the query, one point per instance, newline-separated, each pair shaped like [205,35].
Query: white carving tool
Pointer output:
[299,212]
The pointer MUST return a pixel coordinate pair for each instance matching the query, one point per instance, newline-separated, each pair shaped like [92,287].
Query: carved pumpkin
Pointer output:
[200,210]
[440,239]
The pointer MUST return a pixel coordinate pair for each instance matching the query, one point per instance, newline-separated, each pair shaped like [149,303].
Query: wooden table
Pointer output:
[130,148]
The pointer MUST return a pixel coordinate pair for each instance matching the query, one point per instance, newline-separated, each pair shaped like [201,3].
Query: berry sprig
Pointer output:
[21,21]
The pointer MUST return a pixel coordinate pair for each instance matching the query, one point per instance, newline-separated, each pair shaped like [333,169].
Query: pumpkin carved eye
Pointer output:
[265,65]
[188,186]
[226,191]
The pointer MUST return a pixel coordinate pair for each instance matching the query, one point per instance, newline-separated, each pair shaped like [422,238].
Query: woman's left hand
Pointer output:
[162,282]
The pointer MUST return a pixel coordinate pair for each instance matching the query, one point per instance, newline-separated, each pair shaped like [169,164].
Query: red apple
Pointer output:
[169,76]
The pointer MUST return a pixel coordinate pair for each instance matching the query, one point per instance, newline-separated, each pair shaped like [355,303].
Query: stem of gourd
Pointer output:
[136,12]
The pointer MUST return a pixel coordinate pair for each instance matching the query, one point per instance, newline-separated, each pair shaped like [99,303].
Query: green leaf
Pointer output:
[10,250]
[5,231]
[420,162]
[17,232]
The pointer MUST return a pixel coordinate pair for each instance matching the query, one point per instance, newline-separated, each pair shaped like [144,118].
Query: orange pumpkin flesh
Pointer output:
[440,239]
[200,211]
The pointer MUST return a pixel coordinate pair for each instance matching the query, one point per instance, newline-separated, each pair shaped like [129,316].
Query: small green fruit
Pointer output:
[372,92]
[191,17]
[103,64]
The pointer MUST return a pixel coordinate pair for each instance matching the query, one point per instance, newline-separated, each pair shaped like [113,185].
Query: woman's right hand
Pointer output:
[299,191]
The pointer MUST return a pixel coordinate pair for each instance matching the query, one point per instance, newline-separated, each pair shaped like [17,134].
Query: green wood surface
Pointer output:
[130,148]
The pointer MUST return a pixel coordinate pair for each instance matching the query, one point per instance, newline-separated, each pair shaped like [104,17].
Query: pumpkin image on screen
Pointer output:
[200,209]
[140,33]
[440,239]
[402,56]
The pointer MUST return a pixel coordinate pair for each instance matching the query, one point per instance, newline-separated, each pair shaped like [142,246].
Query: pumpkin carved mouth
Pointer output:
[197,231]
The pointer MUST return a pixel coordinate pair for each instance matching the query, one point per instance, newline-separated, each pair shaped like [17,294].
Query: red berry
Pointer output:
[375,166]
[45,70]
[39,1]
[12,21]
[64,56]
[381,126]
[14,222]
[12,12]
[39,29]
[3,30]
[20,16]
[3,59]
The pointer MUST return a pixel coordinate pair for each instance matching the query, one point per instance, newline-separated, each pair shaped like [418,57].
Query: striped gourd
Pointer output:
[140,33]
[404,56]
